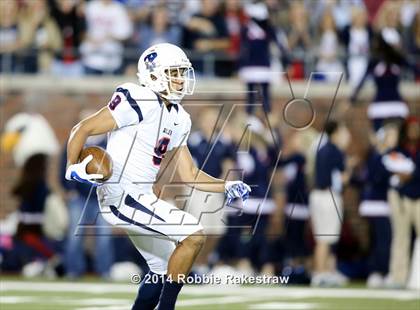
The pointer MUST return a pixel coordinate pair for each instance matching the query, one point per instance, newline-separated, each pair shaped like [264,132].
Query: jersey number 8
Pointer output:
[114,102]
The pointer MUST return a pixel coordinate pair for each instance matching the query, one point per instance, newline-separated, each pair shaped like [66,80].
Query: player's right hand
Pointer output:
[77,172]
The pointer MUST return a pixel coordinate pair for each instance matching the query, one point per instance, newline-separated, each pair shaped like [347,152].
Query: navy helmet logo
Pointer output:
[148,60]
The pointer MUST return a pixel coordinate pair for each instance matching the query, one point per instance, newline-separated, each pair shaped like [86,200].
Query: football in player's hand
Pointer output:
[100,164]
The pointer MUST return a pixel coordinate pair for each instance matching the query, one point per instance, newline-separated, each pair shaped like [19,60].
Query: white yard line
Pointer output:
[123,304]
[230,291]
[18,299]
[124,307]
[221,300]
[304,292]
[103,301]
[246,299]
[284,305]
[211,301]
[79,304]
[93,288]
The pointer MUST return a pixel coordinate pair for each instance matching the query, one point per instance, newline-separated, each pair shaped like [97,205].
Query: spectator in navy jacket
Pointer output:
[292,169]
[296,210]
[326,205]
[374,203]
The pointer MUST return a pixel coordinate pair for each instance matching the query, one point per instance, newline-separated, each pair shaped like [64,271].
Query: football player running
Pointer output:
[146,123]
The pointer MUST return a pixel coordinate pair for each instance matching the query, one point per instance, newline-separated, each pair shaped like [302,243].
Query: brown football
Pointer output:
[101,162]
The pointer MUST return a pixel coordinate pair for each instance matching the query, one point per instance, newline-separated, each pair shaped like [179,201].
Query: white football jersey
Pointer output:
[147,129]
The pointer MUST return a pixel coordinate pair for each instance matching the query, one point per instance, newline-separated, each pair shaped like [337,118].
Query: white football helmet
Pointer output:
[166,69]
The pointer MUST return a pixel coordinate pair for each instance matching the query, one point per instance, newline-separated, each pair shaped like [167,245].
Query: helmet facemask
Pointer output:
[180,82]
[166,81]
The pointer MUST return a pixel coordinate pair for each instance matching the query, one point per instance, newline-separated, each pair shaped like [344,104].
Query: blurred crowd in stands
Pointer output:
[296,222]
[76,37]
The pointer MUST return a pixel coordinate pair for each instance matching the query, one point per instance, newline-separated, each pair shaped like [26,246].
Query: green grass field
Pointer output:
[17,294]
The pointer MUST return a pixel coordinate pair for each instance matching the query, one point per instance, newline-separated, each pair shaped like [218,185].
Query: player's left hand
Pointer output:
[236,189]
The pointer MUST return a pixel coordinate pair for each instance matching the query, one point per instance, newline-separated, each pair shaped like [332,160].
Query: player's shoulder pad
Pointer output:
[136,91]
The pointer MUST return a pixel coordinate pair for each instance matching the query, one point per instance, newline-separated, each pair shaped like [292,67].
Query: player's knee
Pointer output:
[196,240]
